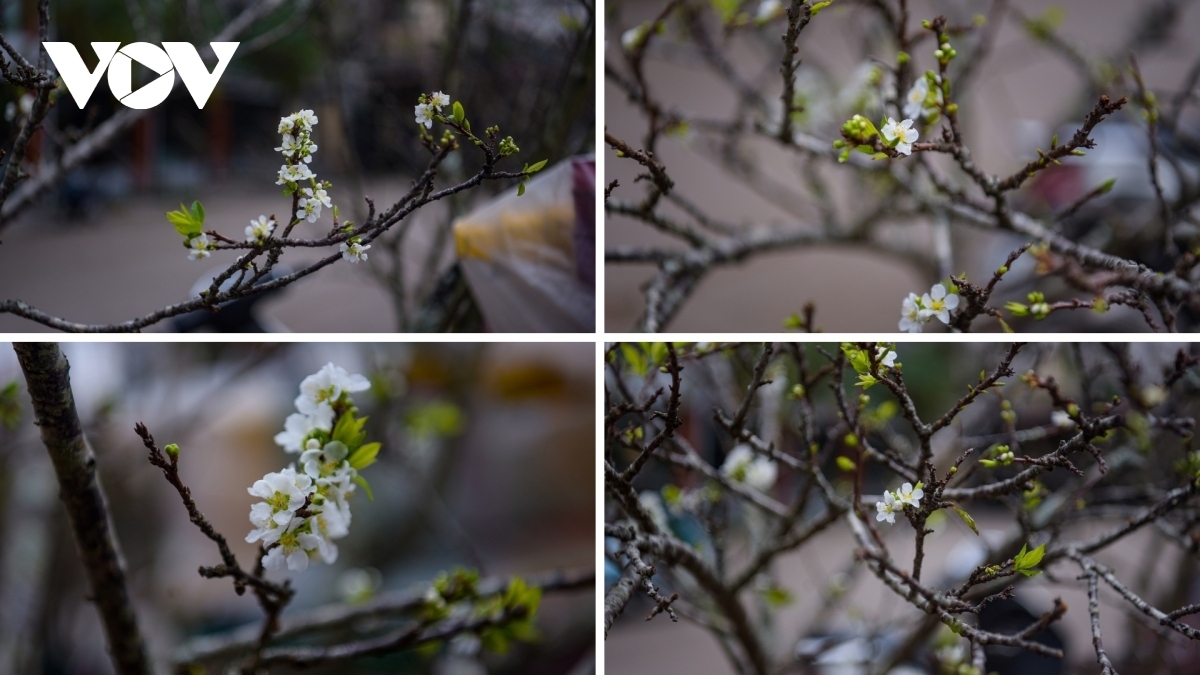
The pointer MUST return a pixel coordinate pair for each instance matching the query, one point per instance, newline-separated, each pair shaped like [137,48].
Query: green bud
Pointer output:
[172,450]
[1002,270]
[902,58]
[1017,309]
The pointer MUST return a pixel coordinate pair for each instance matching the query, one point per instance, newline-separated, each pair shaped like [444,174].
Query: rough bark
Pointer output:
[47,375]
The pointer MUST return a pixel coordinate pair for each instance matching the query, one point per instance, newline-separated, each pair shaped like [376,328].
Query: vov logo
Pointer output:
[172,57]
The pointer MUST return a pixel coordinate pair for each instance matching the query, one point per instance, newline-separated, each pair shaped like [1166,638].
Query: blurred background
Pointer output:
[98,248]
[1022,94]
[487,462]
[819,607]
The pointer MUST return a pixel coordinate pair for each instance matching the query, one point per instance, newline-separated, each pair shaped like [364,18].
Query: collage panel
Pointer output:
[901,508]
[901,166]
[307,507]
[298,166]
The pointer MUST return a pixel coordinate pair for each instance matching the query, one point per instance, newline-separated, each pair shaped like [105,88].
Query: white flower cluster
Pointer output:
[892,502]
[744,466]
[303,512]
[425,112]
[915,311]
[297,148]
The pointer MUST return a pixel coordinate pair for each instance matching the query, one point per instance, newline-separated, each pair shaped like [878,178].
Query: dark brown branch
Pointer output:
[47,375]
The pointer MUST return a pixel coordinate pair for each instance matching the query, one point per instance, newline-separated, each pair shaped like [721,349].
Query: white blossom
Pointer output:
[319,390]
[299,426]
[744,466]
[424,114]
[938,303]
[286,124]
[439,100]
[886,357]
[354,251]
[915,107]
[907,495]
[306,119]
[199,247]
[293,548]
[294,173]
[910,314]
[310,209]
[900,133]
[323,460]
[289,145]
[283,494]
[886,509]
[320,196]
[260,228]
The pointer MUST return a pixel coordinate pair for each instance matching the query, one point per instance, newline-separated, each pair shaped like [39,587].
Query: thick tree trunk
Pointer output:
[48,378]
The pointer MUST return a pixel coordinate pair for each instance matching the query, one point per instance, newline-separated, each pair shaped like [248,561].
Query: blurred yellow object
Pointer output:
[542,235]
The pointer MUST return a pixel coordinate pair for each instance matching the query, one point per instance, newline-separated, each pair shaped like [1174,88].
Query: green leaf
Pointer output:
[521,189]
[536,167]
[967,519]
[185,223]
[1032,558]
[198,212]
[816,9]
[635,358]
[366,486]
[364,456]
[459,113]
[349,430]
